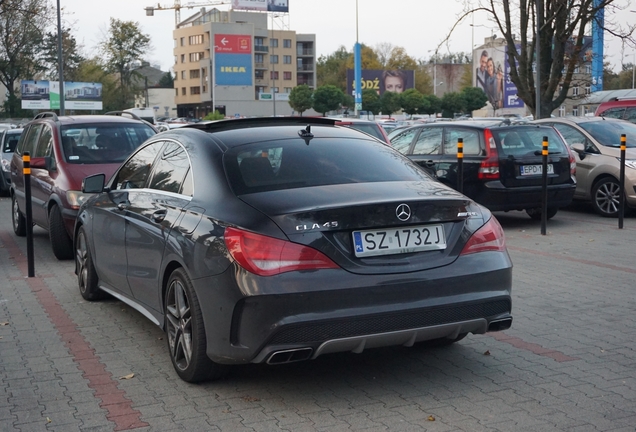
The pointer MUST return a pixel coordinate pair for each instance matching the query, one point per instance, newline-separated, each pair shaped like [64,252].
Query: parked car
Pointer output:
[624,109]
[502,165]
[370,127]
[63,151]
[596,144]
[273,240]
[8,140]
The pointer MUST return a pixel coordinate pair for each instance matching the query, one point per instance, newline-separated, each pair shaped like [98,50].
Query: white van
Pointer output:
[147,114]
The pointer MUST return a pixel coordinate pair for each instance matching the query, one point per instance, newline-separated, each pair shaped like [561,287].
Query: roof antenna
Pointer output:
[306,134]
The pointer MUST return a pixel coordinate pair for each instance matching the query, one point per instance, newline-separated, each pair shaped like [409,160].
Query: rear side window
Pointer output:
[136,170]
[470,137]
[45,143]
[10,142]
[614,113]
[402,142]
[429,142]
[630,114]
[170,169]
[289,164]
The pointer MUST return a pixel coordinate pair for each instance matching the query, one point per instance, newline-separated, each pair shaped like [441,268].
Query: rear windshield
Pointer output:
[102,142]
[10,141]
[289,164]
[609,133]
[522,141]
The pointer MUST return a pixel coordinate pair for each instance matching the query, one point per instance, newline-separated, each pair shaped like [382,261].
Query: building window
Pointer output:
[287,43]
[287,59]
[288,89]
[588,69]
[259,40]
[195,90]
[176,92]
[182,58]
[273,75]
[183,75]
[275,89]
[183,91]
[259,58]
[588,89]
[575,110]
[562,111]
[287,75]
[196,56]
[576,69]
[182,41]
[259,74]
[273,43]
[204,89]
[195,73]
[273,59]
[195,40]
[176,59]
[575,91]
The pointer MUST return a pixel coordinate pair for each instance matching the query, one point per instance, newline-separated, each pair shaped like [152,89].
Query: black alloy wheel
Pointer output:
[17,218]
[186,333]
[85,269]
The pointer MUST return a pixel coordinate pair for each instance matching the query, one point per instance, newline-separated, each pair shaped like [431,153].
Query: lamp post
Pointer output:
[60,63]
[357,71]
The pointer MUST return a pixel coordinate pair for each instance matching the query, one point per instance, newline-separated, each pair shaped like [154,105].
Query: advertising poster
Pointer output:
[492,75]
[261,5]
[35,94]
[233,60]
[511,100]
[382,80]
[44,95]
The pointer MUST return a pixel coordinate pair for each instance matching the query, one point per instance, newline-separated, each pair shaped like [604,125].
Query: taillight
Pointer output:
[490,237]
[267,256]
[489,167]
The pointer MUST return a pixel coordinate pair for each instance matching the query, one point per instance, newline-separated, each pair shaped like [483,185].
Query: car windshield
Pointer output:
[520,141]
[609,133]
[289,164]
[102,142]
[10,141]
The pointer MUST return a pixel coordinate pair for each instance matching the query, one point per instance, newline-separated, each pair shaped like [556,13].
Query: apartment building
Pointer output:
[236,62]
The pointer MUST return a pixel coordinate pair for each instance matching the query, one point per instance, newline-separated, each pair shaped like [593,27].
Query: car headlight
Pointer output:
[77,198]
[5,165]
[630,163]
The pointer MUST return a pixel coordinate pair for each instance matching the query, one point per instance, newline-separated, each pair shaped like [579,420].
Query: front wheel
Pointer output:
[186,333]
[606,195]
[60,240]
[535,213]
[17,218]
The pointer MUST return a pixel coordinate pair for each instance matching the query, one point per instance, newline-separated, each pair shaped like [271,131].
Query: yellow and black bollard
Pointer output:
[621,208]
[26,171]
[460,165]
[544,206]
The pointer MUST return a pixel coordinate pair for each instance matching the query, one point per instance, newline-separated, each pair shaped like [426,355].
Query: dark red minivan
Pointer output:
[63,151]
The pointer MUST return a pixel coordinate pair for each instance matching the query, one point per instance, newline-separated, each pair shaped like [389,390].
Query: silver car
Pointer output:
[8,140]
[596,144]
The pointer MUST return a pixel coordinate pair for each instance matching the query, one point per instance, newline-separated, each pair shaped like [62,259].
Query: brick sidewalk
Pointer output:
[567,363]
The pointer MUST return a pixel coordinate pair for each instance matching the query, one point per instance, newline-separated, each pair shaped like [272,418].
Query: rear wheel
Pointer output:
[606,195]
[60,240]
[536,213]
[186,333]
[19,222]
[86,275]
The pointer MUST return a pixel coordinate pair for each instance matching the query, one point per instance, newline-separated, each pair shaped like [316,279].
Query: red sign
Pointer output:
[232,44]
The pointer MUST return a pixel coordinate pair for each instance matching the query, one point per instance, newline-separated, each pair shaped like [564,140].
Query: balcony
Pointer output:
[306,52]
[261,48]
[262,66]
[305,68]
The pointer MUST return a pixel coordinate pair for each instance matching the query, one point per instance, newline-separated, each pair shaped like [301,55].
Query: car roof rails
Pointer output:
[123,114]
[46,115]
[244,123]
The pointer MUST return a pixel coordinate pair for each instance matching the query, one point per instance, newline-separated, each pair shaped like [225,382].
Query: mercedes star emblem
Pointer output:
[403,212]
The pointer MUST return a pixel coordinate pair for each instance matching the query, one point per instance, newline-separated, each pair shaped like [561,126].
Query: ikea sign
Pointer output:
[233,69]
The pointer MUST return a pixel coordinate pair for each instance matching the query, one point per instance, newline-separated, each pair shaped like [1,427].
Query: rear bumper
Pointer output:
[496,197]
[249,319]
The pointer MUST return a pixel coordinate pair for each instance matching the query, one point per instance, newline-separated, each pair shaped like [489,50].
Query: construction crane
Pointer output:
[150,10]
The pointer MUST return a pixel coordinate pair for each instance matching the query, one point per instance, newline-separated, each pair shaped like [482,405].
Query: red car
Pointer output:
[367,126]
[63,151]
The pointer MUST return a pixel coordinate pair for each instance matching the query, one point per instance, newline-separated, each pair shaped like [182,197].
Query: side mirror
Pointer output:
[38,162]
[94,183]
[579,148]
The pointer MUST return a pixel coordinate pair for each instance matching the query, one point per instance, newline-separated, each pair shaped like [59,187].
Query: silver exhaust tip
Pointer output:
[289,356]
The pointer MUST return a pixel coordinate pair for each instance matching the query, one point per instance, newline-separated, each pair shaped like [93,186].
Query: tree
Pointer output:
[474,98]
[124,46]
[332,69]
[300,98]
[411,101]
[71,57]
[399,59]
[327,98]
[22,24]
[433,106]
[216,115]
[390,102]
[166,81]
[371,101]
[92,70]
[452,103]
[563,26]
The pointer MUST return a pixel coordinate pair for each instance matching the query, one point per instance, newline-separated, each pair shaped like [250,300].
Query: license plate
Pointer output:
[527,170]
[399,240]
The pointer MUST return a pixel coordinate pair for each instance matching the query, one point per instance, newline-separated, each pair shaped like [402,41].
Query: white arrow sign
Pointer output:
[224,41]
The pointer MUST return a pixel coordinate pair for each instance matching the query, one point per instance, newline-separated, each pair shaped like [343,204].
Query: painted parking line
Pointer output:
[113,399]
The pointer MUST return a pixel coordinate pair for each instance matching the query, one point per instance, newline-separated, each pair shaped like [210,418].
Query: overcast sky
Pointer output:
[419,26]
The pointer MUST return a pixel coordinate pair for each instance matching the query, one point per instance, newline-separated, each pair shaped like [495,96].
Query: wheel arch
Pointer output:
[167,271]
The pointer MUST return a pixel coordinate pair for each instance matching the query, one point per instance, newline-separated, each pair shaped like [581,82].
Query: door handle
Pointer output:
[159,216]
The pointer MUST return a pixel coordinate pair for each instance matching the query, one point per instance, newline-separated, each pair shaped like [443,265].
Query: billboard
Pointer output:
[382,80]
[233,60]
[46,95]
[492,75]
[261,5]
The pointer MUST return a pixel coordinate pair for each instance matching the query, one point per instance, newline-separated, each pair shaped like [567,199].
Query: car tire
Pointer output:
[60,240]
[535,213]
[186,333]
[606,197]
[85,269]
[17,218]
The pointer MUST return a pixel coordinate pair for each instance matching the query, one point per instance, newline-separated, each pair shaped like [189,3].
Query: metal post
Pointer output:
[621,209]
[544,173]
[460,165]
[537,111]
[26,171]
[60,62]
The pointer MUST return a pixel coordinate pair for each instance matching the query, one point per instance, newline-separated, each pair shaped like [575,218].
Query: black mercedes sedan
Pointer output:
[275,240]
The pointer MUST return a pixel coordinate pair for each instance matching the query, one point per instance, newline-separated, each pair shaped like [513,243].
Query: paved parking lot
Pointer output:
[567,364]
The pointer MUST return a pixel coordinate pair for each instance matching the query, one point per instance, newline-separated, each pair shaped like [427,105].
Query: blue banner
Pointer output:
[233,69]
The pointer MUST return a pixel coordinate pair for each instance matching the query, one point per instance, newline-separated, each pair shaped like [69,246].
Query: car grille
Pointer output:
[323,331]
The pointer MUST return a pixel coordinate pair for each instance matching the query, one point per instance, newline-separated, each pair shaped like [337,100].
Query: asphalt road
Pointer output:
[567,364]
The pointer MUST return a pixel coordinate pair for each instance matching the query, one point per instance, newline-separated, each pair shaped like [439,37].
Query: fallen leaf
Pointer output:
[591,240]
[4,323]
[48,420]
[430,418]
[487,353]
[250,399]
[127,377]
